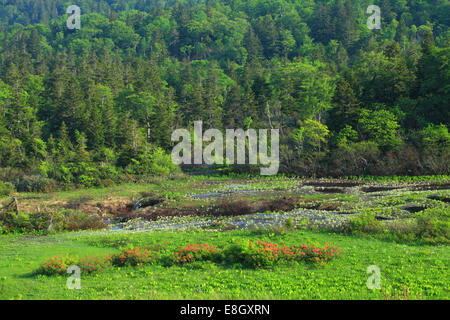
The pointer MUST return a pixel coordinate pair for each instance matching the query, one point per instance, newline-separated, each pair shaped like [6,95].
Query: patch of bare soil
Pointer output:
[440,198]
[413,208]
[330,190]
[432,186]
[379,188]
[110,207]
[333,183]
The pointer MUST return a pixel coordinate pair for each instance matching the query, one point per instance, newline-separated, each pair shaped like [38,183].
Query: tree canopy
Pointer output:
[82,106]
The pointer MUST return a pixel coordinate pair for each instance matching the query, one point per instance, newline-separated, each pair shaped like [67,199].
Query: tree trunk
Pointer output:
[16,203]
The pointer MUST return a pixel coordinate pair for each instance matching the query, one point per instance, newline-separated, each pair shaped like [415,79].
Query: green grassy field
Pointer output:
[422,269]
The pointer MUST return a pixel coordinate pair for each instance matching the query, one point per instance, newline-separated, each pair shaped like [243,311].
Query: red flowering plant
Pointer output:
[316,254]
[266,254]
[194,252]
[93,264]
[57,265]
[132,257]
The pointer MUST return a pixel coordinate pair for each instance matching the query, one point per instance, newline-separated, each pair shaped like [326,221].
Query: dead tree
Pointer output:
[14,203]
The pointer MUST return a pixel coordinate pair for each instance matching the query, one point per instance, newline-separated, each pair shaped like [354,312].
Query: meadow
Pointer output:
[412,255]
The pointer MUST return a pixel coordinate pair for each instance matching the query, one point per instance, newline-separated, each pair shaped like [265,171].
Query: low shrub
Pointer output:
[151,163]
[248,255]
[93,264]
[136,257]
[431,226]
[57,265]
[316,254]
[199,256]
[35,183]
[34,222]
[73,220]
[6,188]
[194,252]
[39,222]
[289,224]
[365,223]
[87,265]
[267,254]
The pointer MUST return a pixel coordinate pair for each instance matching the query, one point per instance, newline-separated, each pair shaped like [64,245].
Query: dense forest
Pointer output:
[98,105]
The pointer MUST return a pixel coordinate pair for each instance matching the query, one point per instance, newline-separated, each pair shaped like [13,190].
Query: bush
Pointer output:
[73,220]
[194,253]
[136,257]
[161,163]
[35,183]
[248,255]
[289,224]
[23,223]
[10,174]
[93,264]
[432,228]
[157,163]
[365,223]
[199,256]
[6,188]
[355,158]
[59,265]
[38,222]
[267,254]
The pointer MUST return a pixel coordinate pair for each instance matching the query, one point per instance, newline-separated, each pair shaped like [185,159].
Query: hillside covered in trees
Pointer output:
[94,105]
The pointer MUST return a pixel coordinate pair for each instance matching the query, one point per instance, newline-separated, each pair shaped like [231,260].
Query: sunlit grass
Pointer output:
[423,269]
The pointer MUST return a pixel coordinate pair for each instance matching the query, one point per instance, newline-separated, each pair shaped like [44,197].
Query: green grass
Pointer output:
[423,269]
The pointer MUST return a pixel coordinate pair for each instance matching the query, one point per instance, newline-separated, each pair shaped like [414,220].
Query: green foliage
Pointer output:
[58,265]
[37,222]
[289,224]
[156,163]
[346,136]
[311,135]
[195,253]
[248,255]
[94,106]
[267,254]
[23,223]
[381,127]
[366,223]
[132,257]
[73,220]
[435,138]
[91,264]
[432,226]
[6,188]
[34,183]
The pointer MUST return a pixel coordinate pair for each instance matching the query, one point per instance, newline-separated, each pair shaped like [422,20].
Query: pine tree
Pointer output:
[346,107]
